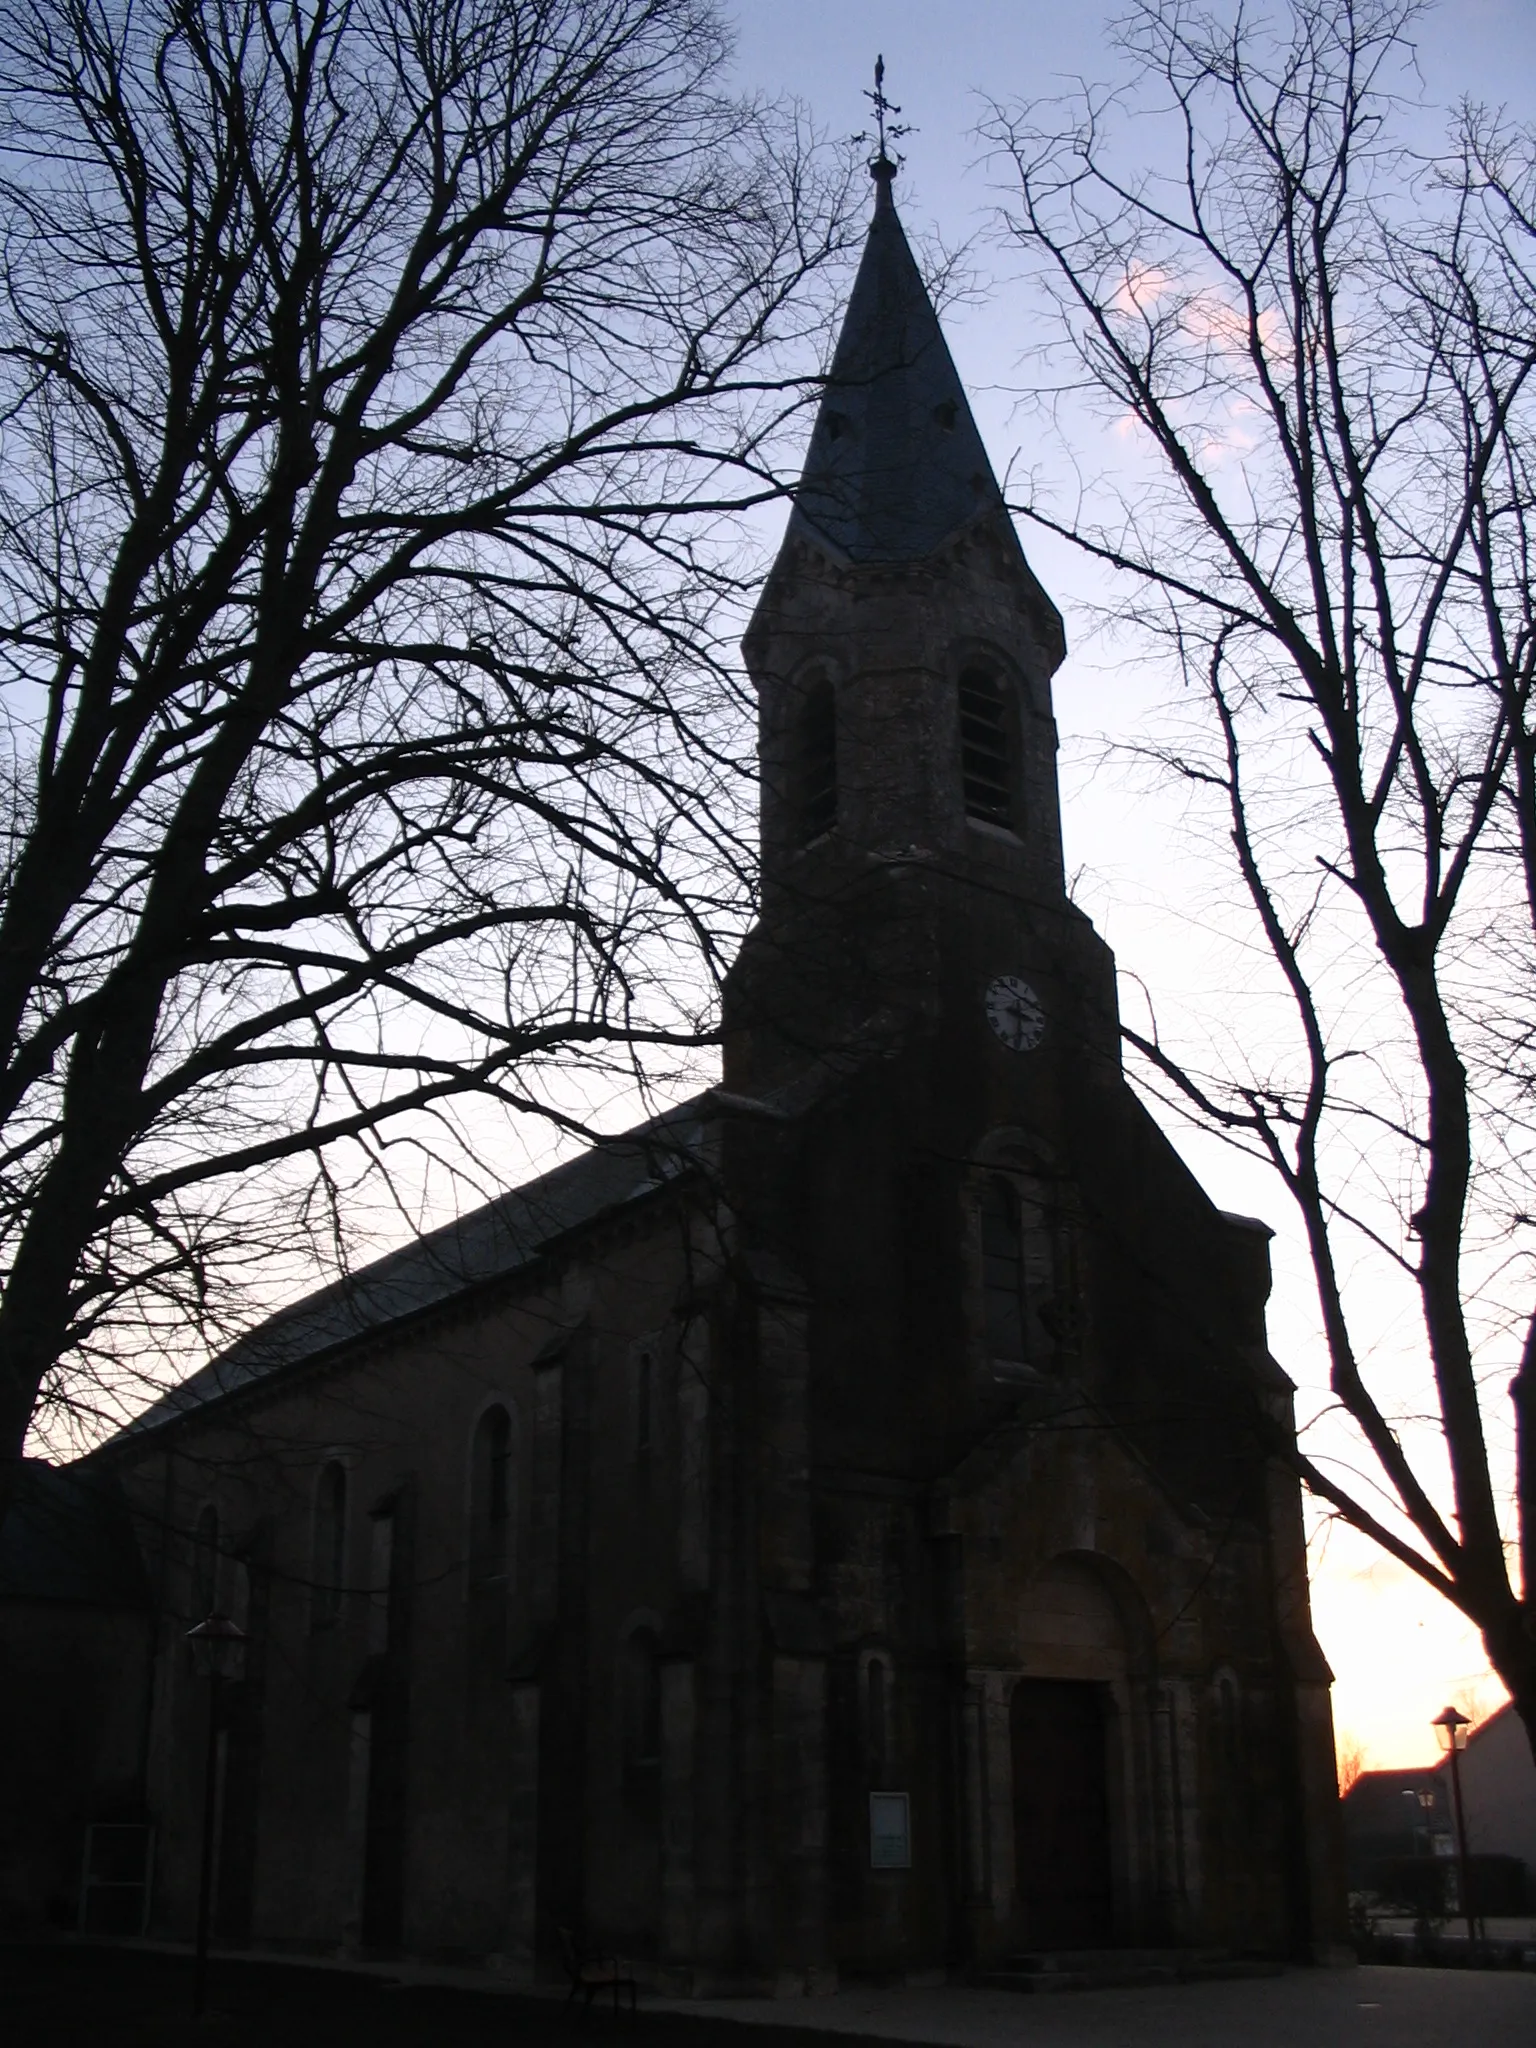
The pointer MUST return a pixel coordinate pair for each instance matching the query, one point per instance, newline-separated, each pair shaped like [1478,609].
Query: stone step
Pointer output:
[1104,1969]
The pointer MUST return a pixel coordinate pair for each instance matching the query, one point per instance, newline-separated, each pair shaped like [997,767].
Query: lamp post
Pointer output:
[1451,1734]
[218,1653]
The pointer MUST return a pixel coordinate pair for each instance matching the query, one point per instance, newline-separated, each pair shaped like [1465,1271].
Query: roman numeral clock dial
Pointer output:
[1014,1011]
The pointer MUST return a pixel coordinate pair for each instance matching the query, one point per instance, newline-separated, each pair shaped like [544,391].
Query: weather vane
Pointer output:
[882,106]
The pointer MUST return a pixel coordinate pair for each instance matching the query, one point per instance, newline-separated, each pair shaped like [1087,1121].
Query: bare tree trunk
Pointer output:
[1354,604]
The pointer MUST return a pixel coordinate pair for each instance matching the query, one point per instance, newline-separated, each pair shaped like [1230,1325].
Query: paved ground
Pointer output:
[69,1996]
[1372,2007]
[1512,1929]
[76,1997]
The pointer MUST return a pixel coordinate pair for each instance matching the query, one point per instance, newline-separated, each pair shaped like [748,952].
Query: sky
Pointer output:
[1399,1653]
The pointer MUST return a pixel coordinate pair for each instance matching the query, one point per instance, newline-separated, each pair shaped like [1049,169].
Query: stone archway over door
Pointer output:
[1061,1811]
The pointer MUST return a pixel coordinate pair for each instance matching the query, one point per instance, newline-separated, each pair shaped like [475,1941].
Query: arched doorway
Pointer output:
[1061,1812]
[1067,1752]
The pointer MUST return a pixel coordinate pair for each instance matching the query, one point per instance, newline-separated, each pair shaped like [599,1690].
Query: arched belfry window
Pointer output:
[644,1396]
[816,762]
[1025,1241]
[490,1495]
[985,764]
[206,1576]
[1002,1268]
[1233,1806]
[640,1701]
[330,1546]
[876,1710]
[1229,1726]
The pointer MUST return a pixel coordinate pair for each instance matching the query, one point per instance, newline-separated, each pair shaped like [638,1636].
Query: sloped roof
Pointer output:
[68,1538]
[895,463]
[488,1244]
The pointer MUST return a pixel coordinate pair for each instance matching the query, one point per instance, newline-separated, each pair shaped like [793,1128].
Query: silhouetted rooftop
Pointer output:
[488,1244]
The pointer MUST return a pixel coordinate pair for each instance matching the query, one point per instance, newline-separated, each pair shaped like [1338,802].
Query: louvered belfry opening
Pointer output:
[984,747]
[817,764]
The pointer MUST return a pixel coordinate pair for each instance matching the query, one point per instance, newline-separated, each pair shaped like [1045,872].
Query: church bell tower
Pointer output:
[903,650]
[1007,1466]
[902,653]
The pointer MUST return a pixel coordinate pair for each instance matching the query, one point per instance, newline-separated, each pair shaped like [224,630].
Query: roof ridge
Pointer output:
[483,1244]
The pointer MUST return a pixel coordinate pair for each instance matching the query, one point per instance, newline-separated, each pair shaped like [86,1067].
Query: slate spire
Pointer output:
[895,464]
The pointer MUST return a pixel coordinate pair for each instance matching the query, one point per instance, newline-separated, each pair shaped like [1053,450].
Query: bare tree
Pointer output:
[384,382]
[1352,1762]
[1325,339]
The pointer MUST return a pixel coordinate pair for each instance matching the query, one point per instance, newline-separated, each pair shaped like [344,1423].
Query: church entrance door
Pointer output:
[1061,1812]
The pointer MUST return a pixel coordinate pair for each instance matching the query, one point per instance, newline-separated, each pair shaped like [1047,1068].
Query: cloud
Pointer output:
[1144,284]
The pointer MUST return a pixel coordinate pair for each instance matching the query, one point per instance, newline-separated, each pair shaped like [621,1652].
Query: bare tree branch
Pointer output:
[1327,343]
[383,390]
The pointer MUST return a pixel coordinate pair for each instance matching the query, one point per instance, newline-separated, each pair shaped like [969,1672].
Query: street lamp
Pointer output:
[1451,1734]
[218,1653]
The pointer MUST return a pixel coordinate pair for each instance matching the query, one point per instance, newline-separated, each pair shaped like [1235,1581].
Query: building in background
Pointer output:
[1399,1833]
[1400,1827]
[847,1525]
[1498,1782]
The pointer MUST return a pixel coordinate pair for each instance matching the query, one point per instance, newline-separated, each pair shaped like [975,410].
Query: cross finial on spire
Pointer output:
[883,166]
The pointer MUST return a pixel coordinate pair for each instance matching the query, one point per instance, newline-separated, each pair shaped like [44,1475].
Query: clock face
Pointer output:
[1015,1014]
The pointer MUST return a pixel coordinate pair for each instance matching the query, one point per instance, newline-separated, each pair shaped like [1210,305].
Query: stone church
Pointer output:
[840,1527]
